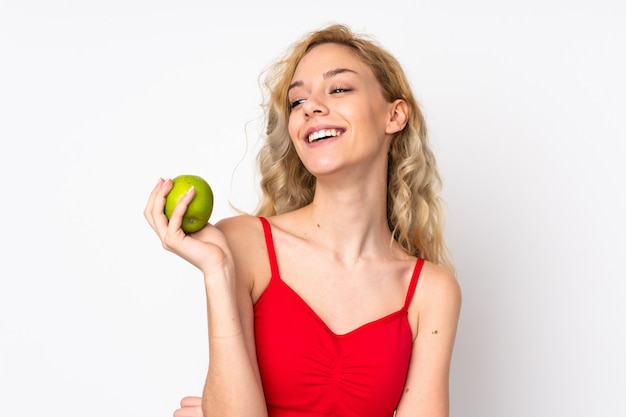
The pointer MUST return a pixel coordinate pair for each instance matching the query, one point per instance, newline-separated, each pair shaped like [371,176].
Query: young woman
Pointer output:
[337,298]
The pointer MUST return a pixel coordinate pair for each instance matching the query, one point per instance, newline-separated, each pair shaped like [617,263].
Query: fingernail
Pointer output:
[190,189]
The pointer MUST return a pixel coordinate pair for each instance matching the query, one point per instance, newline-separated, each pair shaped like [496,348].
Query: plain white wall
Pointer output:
[98,99]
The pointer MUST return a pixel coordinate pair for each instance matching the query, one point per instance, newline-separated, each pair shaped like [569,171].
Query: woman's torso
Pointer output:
[334,345]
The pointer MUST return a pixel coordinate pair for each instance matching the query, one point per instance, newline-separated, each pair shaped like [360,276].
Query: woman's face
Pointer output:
[339,118]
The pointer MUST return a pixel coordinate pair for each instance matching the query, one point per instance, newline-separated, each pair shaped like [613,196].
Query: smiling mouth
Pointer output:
[323,134]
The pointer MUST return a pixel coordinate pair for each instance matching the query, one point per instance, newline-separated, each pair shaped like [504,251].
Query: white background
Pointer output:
[98,99]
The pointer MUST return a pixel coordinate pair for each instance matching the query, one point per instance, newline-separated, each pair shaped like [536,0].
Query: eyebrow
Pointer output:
[328,74]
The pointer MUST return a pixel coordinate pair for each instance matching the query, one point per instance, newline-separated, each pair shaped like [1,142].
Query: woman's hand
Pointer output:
[189,407]
[206,249]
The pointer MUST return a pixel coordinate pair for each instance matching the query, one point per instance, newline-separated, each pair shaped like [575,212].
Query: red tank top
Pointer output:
[307,370]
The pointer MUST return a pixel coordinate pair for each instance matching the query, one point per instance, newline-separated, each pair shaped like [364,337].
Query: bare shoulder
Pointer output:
[243,233]
[438,279]
[439,293]
[237,225]
[246,240]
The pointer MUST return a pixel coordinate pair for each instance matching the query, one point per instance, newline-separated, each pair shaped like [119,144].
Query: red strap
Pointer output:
[413,283]
[267,230]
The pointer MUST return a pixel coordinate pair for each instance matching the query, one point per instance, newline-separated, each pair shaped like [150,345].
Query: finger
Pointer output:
[159,220]
[176,219]
[153,198]
[174,236]
[147,211]
[191,401]
[190,407]
[189,412]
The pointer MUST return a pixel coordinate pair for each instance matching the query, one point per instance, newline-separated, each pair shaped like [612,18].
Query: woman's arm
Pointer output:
[438,302]
[233,385]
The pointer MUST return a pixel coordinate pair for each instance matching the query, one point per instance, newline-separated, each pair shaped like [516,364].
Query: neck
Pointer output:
[350,218]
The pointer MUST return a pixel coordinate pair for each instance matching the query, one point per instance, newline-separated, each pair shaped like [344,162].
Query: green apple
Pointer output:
[200,208]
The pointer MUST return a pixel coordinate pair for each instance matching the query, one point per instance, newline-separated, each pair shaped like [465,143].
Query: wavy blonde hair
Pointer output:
[414,207]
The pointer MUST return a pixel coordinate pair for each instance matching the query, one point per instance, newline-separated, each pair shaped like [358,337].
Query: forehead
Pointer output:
[328,56]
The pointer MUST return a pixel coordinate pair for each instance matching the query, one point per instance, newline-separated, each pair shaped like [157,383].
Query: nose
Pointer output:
[314,105]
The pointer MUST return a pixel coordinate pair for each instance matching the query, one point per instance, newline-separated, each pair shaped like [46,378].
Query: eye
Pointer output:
[295,103]
[337,90]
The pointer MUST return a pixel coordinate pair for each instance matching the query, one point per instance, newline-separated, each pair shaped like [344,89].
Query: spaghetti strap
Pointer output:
[416,273]
[269,242]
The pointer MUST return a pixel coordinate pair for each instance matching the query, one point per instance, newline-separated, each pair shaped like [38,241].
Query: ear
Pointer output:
[398,116]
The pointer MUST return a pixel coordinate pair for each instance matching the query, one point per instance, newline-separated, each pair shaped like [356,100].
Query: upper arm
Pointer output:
[245,239]
[438,303]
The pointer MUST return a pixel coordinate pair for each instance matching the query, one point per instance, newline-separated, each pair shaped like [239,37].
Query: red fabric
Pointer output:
[307,370]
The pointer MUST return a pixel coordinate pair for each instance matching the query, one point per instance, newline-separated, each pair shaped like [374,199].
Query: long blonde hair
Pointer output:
[414,207]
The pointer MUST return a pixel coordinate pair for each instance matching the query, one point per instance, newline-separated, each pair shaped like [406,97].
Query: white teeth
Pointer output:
[322,134]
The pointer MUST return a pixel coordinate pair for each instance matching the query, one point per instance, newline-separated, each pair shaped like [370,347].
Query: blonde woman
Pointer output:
[338,297]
